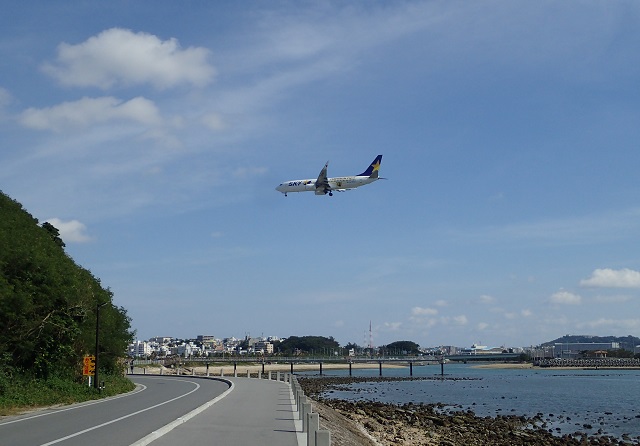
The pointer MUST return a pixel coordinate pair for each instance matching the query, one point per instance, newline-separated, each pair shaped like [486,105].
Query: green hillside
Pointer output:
[626,342]
[48,306]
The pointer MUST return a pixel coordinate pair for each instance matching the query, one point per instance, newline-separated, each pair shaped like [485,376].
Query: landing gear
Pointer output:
[331,194]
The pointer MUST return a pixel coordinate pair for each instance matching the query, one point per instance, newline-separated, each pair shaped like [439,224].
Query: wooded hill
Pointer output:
[48,303]
[626,342]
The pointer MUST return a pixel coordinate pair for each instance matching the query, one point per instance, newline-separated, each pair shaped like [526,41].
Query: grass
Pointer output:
[21,393]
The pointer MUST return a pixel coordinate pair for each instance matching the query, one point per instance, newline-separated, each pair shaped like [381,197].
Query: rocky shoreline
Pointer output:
[435,424]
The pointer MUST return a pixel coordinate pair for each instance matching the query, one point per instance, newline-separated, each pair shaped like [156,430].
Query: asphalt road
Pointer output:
[120,420]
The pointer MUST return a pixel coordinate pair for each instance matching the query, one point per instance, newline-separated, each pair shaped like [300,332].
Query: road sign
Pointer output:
[89,365]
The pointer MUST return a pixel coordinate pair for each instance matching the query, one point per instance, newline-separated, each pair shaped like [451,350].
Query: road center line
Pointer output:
[126,416]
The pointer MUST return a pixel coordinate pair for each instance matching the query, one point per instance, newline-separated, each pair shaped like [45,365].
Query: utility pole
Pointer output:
[96,384]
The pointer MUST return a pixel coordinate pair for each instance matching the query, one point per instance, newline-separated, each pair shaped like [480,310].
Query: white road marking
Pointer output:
[126,416]
[140,388]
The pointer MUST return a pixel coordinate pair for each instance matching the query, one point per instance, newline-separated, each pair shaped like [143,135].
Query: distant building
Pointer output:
[161,339]
[140,349]
[573,349]
[481,350]
[264,347]
[206,339]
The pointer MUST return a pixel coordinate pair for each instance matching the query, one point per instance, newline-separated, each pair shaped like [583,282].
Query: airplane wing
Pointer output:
[322,183]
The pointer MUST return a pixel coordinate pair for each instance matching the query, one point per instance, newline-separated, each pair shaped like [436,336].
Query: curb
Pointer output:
[169,427]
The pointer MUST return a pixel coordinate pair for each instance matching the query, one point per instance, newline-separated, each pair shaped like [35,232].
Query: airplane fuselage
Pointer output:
[324,185]
[337,184]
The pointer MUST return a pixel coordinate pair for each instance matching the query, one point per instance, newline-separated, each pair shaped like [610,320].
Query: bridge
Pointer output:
[507,357]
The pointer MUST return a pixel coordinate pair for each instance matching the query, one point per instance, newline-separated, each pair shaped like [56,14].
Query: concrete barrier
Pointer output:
[313,426]
[323,438]
[301,402]
[310,421]
[306,410]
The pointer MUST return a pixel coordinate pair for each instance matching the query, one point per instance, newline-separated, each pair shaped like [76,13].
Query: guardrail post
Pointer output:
[248,374]
[323,438]
[306,410]
[313,425]
[221,371]
[302,400]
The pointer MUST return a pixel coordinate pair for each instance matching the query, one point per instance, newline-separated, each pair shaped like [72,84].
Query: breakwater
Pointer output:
[590,362]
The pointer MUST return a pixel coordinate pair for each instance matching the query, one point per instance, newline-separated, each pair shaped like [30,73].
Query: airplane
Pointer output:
[324,185]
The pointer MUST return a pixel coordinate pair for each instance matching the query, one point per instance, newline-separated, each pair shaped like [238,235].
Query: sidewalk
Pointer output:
[255,412]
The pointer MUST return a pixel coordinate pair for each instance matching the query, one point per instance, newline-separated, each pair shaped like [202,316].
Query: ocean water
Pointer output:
[590,401]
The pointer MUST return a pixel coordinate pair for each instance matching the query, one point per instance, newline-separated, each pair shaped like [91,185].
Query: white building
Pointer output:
[140,349]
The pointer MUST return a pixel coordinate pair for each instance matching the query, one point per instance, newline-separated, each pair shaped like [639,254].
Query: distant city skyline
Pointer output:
[153,137]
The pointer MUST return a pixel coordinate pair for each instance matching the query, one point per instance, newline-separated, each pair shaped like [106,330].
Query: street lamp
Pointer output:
[95,373]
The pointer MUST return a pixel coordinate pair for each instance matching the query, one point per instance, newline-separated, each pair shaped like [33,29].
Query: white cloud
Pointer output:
[610,278]
[615,299]
[70,231]
[565,298]
[441,303]
[214,121]
[121,57]
[393,326]
[486,299]
[482,326]
[419,311]
[88,111]
[5,98]
[612,324]
[526,312]
[460,320]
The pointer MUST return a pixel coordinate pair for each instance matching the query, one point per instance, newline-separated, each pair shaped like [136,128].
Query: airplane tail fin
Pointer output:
[372,171]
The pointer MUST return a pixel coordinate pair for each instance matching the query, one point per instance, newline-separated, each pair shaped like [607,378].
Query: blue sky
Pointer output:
[153,134]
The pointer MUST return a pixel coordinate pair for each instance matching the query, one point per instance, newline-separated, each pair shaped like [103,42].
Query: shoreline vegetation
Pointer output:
[24,394]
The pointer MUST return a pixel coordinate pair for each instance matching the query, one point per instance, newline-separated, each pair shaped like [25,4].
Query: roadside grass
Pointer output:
[21,393]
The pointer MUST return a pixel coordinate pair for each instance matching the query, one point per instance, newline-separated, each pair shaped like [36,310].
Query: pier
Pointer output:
[407,361]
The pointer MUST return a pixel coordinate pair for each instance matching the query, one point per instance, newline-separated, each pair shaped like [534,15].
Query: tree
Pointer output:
[401,348]
[48,303]
[55,234]
[307,344]
[354,346]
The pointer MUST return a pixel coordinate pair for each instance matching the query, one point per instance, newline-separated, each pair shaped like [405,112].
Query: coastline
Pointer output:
[505,365]
[382,424]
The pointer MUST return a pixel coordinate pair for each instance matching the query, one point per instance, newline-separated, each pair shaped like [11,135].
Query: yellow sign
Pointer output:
[89,365]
